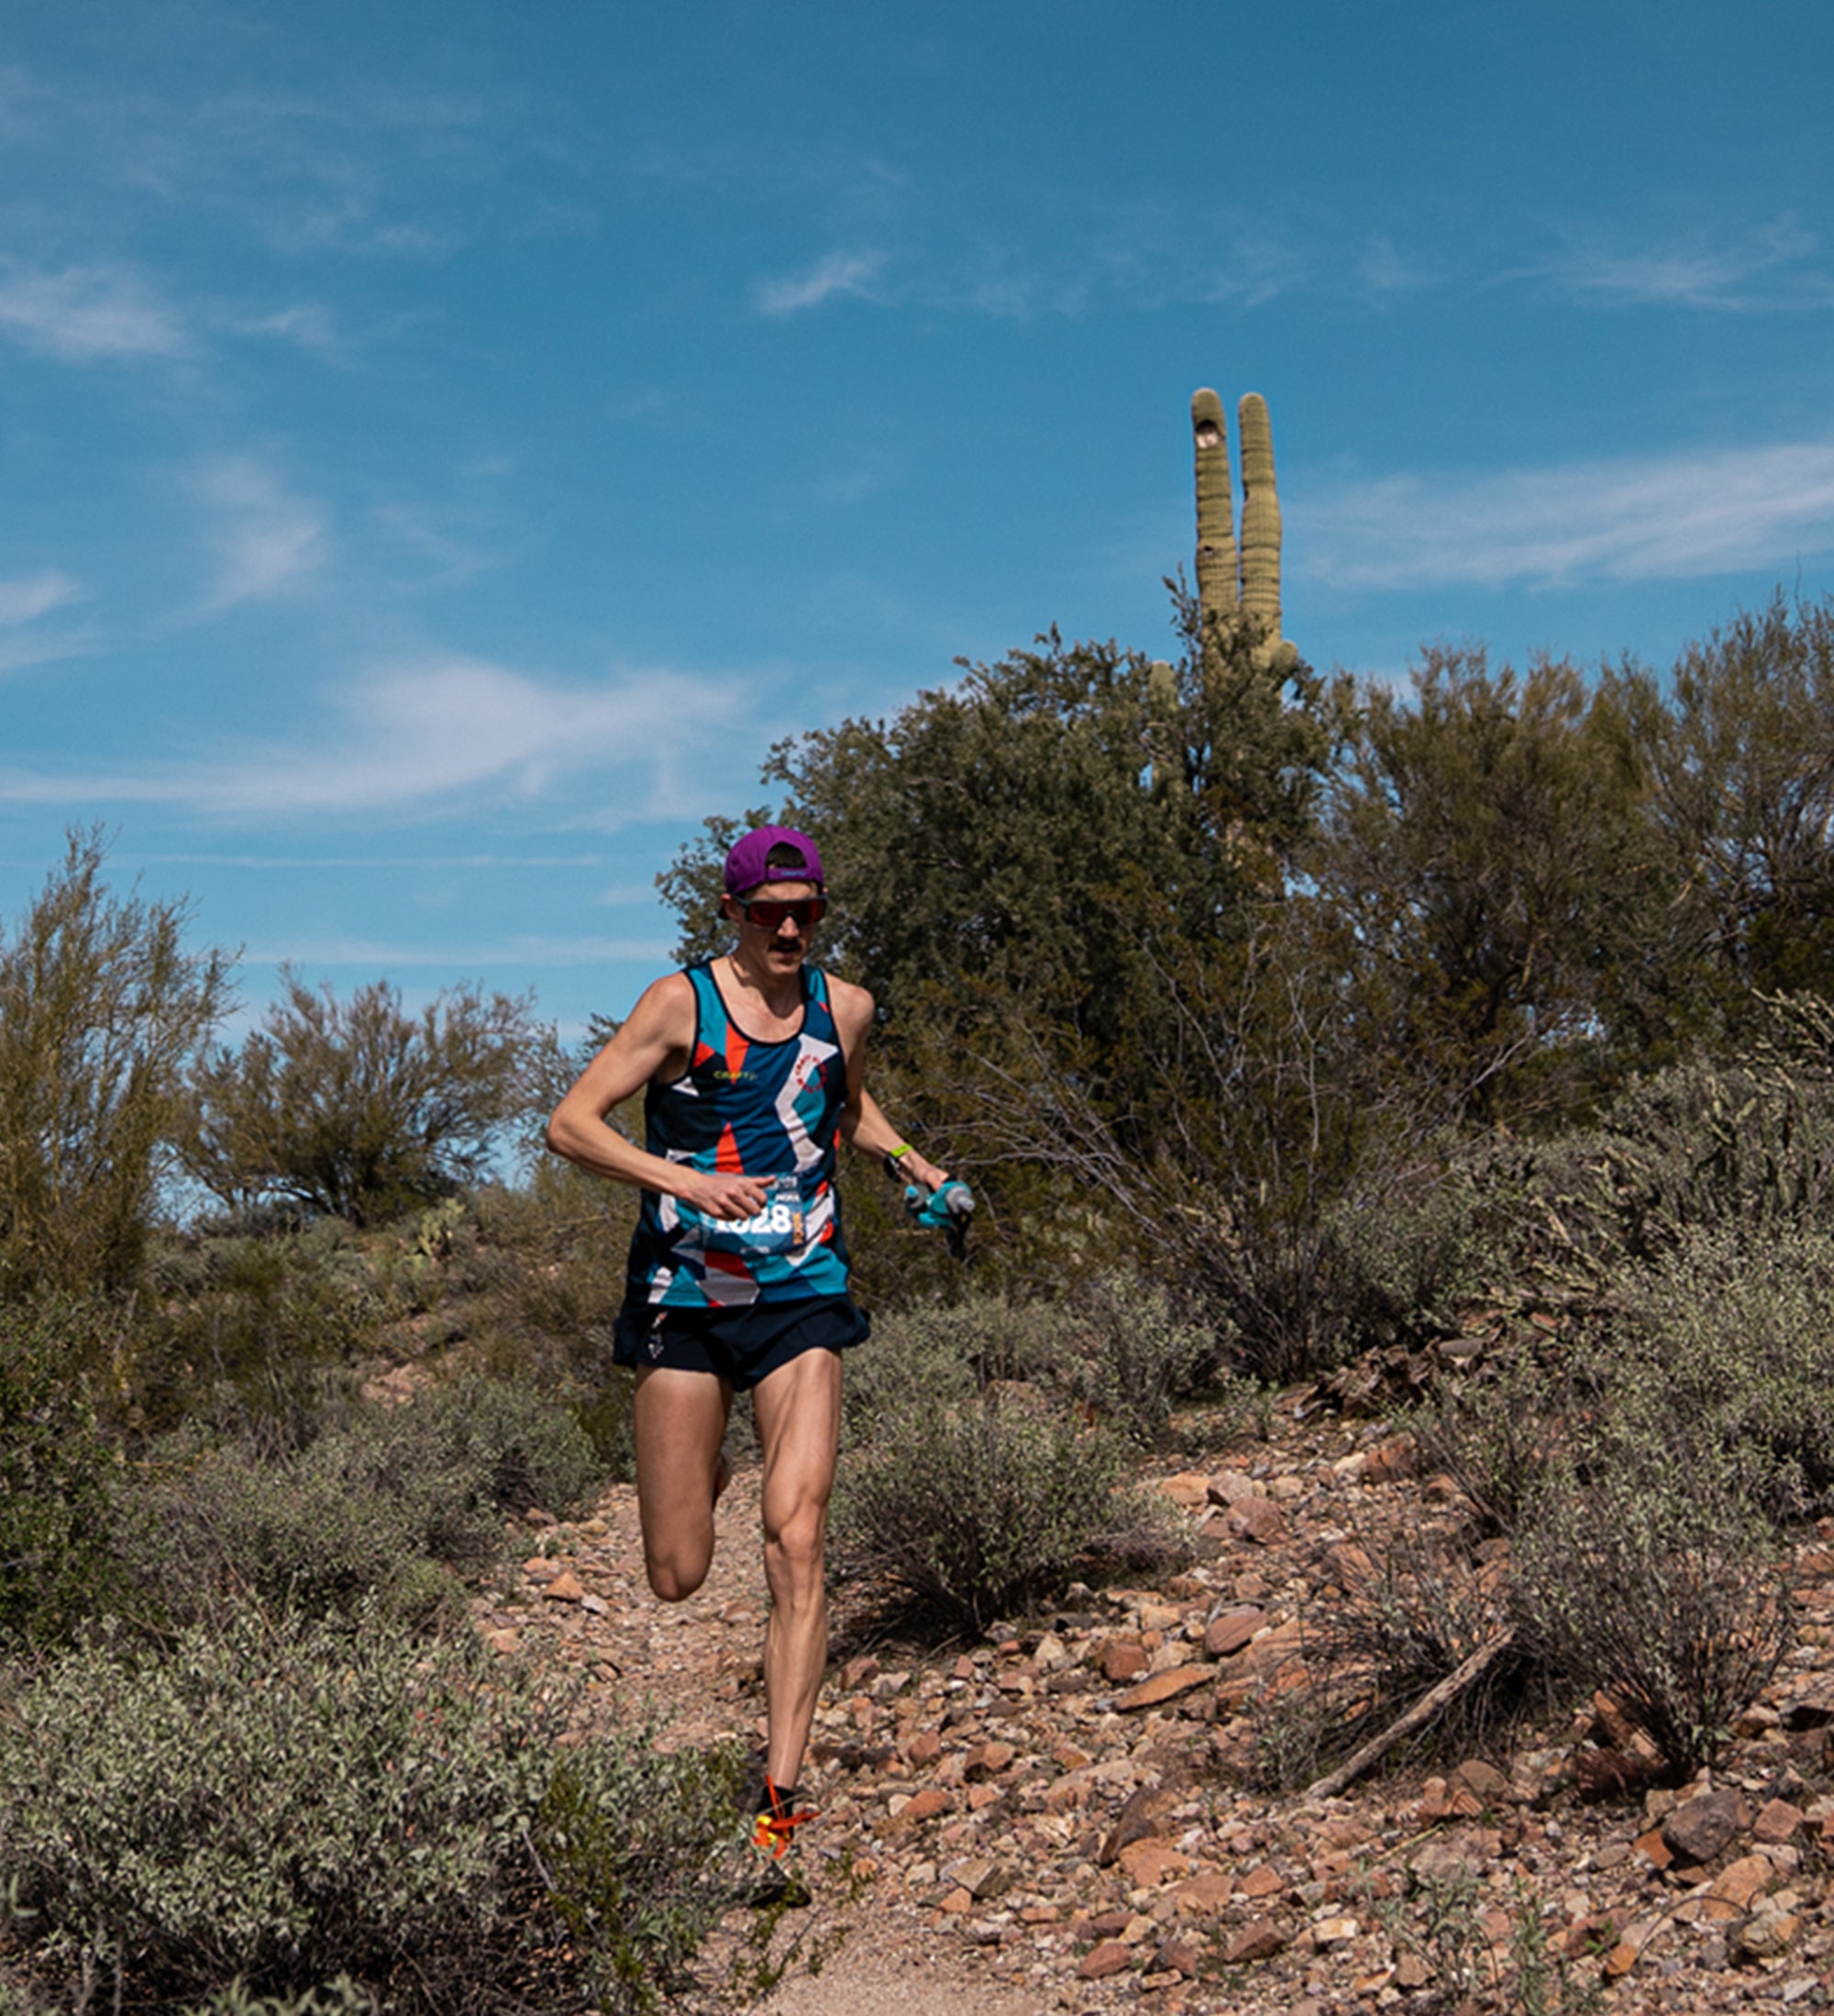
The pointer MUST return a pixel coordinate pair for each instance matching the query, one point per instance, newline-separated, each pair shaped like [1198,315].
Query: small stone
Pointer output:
[1150,1863]
[1204,1893]
[566,1588]
[1230,1632]
[1175,1957]
[1260,1939]
[1111,1957]
[924,1749]
[1163,1686]
[1702,1827]
[956,1903]
[988,1760]
[1411,1971]
[1776,1823]
[1257,1519]
[1262,1882]
[1188,1489]
[1334,1932]
[1485,1779]
[1769,1935]
[1739,1882]
[1123,1659]
[926,1805]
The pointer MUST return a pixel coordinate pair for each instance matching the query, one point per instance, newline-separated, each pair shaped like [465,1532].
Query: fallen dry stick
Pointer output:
[1416,1717]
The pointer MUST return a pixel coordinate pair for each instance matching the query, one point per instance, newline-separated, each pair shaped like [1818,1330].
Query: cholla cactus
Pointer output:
[1228,587]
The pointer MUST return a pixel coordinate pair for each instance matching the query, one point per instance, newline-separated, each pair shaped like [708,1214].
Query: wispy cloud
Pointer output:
[386,955]
[836,275]
[265,539]
[412,738]
[30,596]
[1771,267]
[1650,518]
[86,314]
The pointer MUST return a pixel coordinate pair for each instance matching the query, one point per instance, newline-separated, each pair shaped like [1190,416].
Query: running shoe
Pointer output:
[775,1867]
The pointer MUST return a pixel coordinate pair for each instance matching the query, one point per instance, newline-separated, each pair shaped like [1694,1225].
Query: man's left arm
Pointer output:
[863,1124]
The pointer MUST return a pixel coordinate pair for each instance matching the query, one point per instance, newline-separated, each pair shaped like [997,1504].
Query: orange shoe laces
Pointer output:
[776,1827]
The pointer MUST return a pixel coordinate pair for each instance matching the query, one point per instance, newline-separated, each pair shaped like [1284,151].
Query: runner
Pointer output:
[751,1065]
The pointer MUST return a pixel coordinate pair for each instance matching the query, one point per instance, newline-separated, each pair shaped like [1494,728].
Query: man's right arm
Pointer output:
[656,1036]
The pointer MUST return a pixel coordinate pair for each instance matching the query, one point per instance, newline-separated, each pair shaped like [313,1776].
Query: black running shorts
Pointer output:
[740,1346]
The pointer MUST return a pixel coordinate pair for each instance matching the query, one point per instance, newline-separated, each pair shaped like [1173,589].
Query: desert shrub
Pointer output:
[542,1274]
[1496,1433]
[100,1011]
[1129,1355]
[380,1506]
[56,1473]
[360,1110]
[977,1509]
[250,1328]
[1411,1624]
[1726,1347]
[278,1804]
[1703,1145]
[1440,1242]
[927,1354]
[1663,1591]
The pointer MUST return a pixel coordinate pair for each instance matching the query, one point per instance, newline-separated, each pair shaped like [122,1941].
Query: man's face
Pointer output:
[780,941]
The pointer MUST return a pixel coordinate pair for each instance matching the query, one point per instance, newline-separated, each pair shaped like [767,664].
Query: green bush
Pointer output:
[1130,1356]
[1497,1432]
[926,1354]
[57,1474]
[976,1510]
[381,1505]
[278,1804]
[251,1329]
[1726,1348]
[1664,1591]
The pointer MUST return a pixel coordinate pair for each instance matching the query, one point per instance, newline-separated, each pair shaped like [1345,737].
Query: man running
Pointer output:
[752,1065]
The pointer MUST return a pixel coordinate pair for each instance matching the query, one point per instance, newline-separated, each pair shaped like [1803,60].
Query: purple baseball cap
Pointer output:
[749,862]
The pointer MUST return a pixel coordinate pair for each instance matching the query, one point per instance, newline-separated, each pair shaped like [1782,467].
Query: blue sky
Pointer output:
[444,446]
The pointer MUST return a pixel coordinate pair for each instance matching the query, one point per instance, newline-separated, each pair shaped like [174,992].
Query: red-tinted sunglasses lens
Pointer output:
[806,910]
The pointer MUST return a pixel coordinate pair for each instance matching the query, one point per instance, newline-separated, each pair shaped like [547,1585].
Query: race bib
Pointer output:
[781,1226]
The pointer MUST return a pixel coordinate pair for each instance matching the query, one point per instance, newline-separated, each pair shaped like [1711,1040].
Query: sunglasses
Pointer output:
[769,912]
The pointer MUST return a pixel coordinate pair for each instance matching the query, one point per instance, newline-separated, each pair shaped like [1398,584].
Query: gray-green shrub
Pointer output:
[56,1473]
[381,1504]
[1130,1356]
[1663,1589]
[1726,1347]
[278,1803]
[977,1509]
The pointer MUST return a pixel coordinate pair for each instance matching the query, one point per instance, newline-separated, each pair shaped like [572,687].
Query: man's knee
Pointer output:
[794,1545]
[675,1581]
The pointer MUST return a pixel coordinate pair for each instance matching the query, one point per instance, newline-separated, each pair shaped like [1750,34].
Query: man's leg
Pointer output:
[799,1431]
[681,1422]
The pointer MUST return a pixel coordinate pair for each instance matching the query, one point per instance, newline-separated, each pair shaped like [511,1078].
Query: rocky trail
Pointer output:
[1059,1820]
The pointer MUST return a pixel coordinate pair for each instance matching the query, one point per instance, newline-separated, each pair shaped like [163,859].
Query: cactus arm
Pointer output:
[1216,512]
[1260,516]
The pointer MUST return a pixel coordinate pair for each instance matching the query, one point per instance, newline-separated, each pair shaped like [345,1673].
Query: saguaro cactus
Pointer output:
[1217,589]
[1251,585]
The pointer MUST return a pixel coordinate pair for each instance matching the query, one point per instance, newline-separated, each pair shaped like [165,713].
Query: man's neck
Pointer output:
[780,993]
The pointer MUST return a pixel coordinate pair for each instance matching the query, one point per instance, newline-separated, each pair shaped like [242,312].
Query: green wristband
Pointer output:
[894,1156]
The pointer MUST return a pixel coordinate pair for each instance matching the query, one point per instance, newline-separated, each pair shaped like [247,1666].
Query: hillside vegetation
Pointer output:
[1289,1030]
